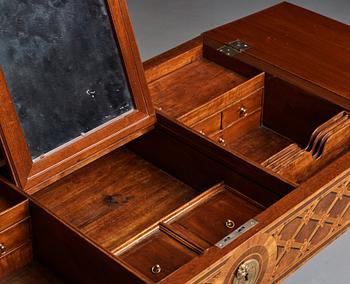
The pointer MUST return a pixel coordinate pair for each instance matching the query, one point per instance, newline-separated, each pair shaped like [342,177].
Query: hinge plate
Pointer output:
[236,233]
[234,48]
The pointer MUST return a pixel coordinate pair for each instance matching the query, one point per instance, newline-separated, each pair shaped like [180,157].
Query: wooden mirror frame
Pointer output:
[32,175]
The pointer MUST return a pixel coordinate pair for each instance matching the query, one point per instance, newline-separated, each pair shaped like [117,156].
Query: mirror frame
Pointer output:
[32,175]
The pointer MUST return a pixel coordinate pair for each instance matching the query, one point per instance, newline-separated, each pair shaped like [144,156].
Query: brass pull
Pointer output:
[247,272]
[243,112]
[2,249]
[156,269]
[202,132]
[230,224]
[222,140]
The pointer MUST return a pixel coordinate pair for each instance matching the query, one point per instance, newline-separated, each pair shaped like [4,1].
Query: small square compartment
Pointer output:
[157,255]
[212,216]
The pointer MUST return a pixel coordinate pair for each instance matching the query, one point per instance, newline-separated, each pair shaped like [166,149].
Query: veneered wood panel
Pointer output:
[34,273]
[297,41]
[115,198]
[184,90]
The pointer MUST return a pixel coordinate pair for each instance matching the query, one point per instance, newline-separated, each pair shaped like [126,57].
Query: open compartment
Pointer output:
[139,210]
[255,115]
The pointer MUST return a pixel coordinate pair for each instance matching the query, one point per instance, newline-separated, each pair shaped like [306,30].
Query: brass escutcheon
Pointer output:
[2,249]
[247,272]
[156,269]
[230,224]
[243,112]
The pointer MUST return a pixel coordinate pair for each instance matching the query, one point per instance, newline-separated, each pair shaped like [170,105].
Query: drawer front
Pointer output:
[242,108]
[15,260]
[13,237]
[13,215]
[280,248]
[209,126]
[238,129]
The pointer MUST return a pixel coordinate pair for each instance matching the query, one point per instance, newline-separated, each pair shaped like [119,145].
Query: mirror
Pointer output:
[63,69]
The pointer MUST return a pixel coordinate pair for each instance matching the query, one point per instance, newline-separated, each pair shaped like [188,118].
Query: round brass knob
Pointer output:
[243,112]
[247,272]
[2,249]
[156,269]
[221,140]
[230,224]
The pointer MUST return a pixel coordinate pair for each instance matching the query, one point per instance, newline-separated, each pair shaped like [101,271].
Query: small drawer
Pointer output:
[13,207]
[15,260]
[13,237]
[157,255]
[242,108]
[237,130]
[214,215]
[209,126]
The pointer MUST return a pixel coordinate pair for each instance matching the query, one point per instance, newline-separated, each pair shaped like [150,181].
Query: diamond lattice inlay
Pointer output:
[311,227]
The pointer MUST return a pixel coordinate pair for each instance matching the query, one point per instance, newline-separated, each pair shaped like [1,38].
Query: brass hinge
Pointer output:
[236,233]
[234,48]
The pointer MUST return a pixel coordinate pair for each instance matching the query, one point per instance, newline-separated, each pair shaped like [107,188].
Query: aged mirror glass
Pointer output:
[63,69]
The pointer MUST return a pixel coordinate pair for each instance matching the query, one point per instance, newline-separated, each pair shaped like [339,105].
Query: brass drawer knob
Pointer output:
[222,140]
[202,132]
[247,272]
[2,249]
[230,224]
[243,112]
[156,269]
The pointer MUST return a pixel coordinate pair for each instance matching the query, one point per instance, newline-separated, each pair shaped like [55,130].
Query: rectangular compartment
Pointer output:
[125,200]
[156,255]
[260,115]
[212,216]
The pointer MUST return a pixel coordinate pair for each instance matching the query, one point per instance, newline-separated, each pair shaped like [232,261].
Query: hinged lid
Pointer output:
[298,45]
[72,86]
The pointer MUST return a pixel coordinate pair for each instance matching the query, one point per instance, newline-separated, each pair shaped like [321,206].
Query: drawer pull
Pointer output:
[2,249]
[156,269]
[202,132]
[243,112]
[222,141]
[247,272]
[230,224]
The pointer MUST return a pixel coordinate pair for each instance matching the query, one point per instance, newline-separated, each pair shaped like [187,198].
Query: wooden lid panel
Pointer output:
[298,41]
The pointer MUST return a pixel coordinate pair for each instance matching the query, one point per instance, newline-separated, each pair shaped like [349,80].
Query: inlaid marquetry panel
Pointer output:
[310,227]
[260,249]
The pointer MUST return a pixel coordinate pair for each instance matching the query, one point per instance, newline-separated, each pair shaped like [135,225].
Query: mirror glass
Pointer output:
[63,69]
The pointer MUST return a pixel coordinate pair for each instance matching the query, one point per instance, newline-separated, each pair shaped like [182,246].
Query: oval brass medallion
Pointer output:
[247,272]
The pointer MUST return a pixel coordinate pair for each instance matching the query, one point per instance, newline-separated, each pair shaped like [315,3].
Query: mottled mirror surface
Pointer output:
[62,67]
